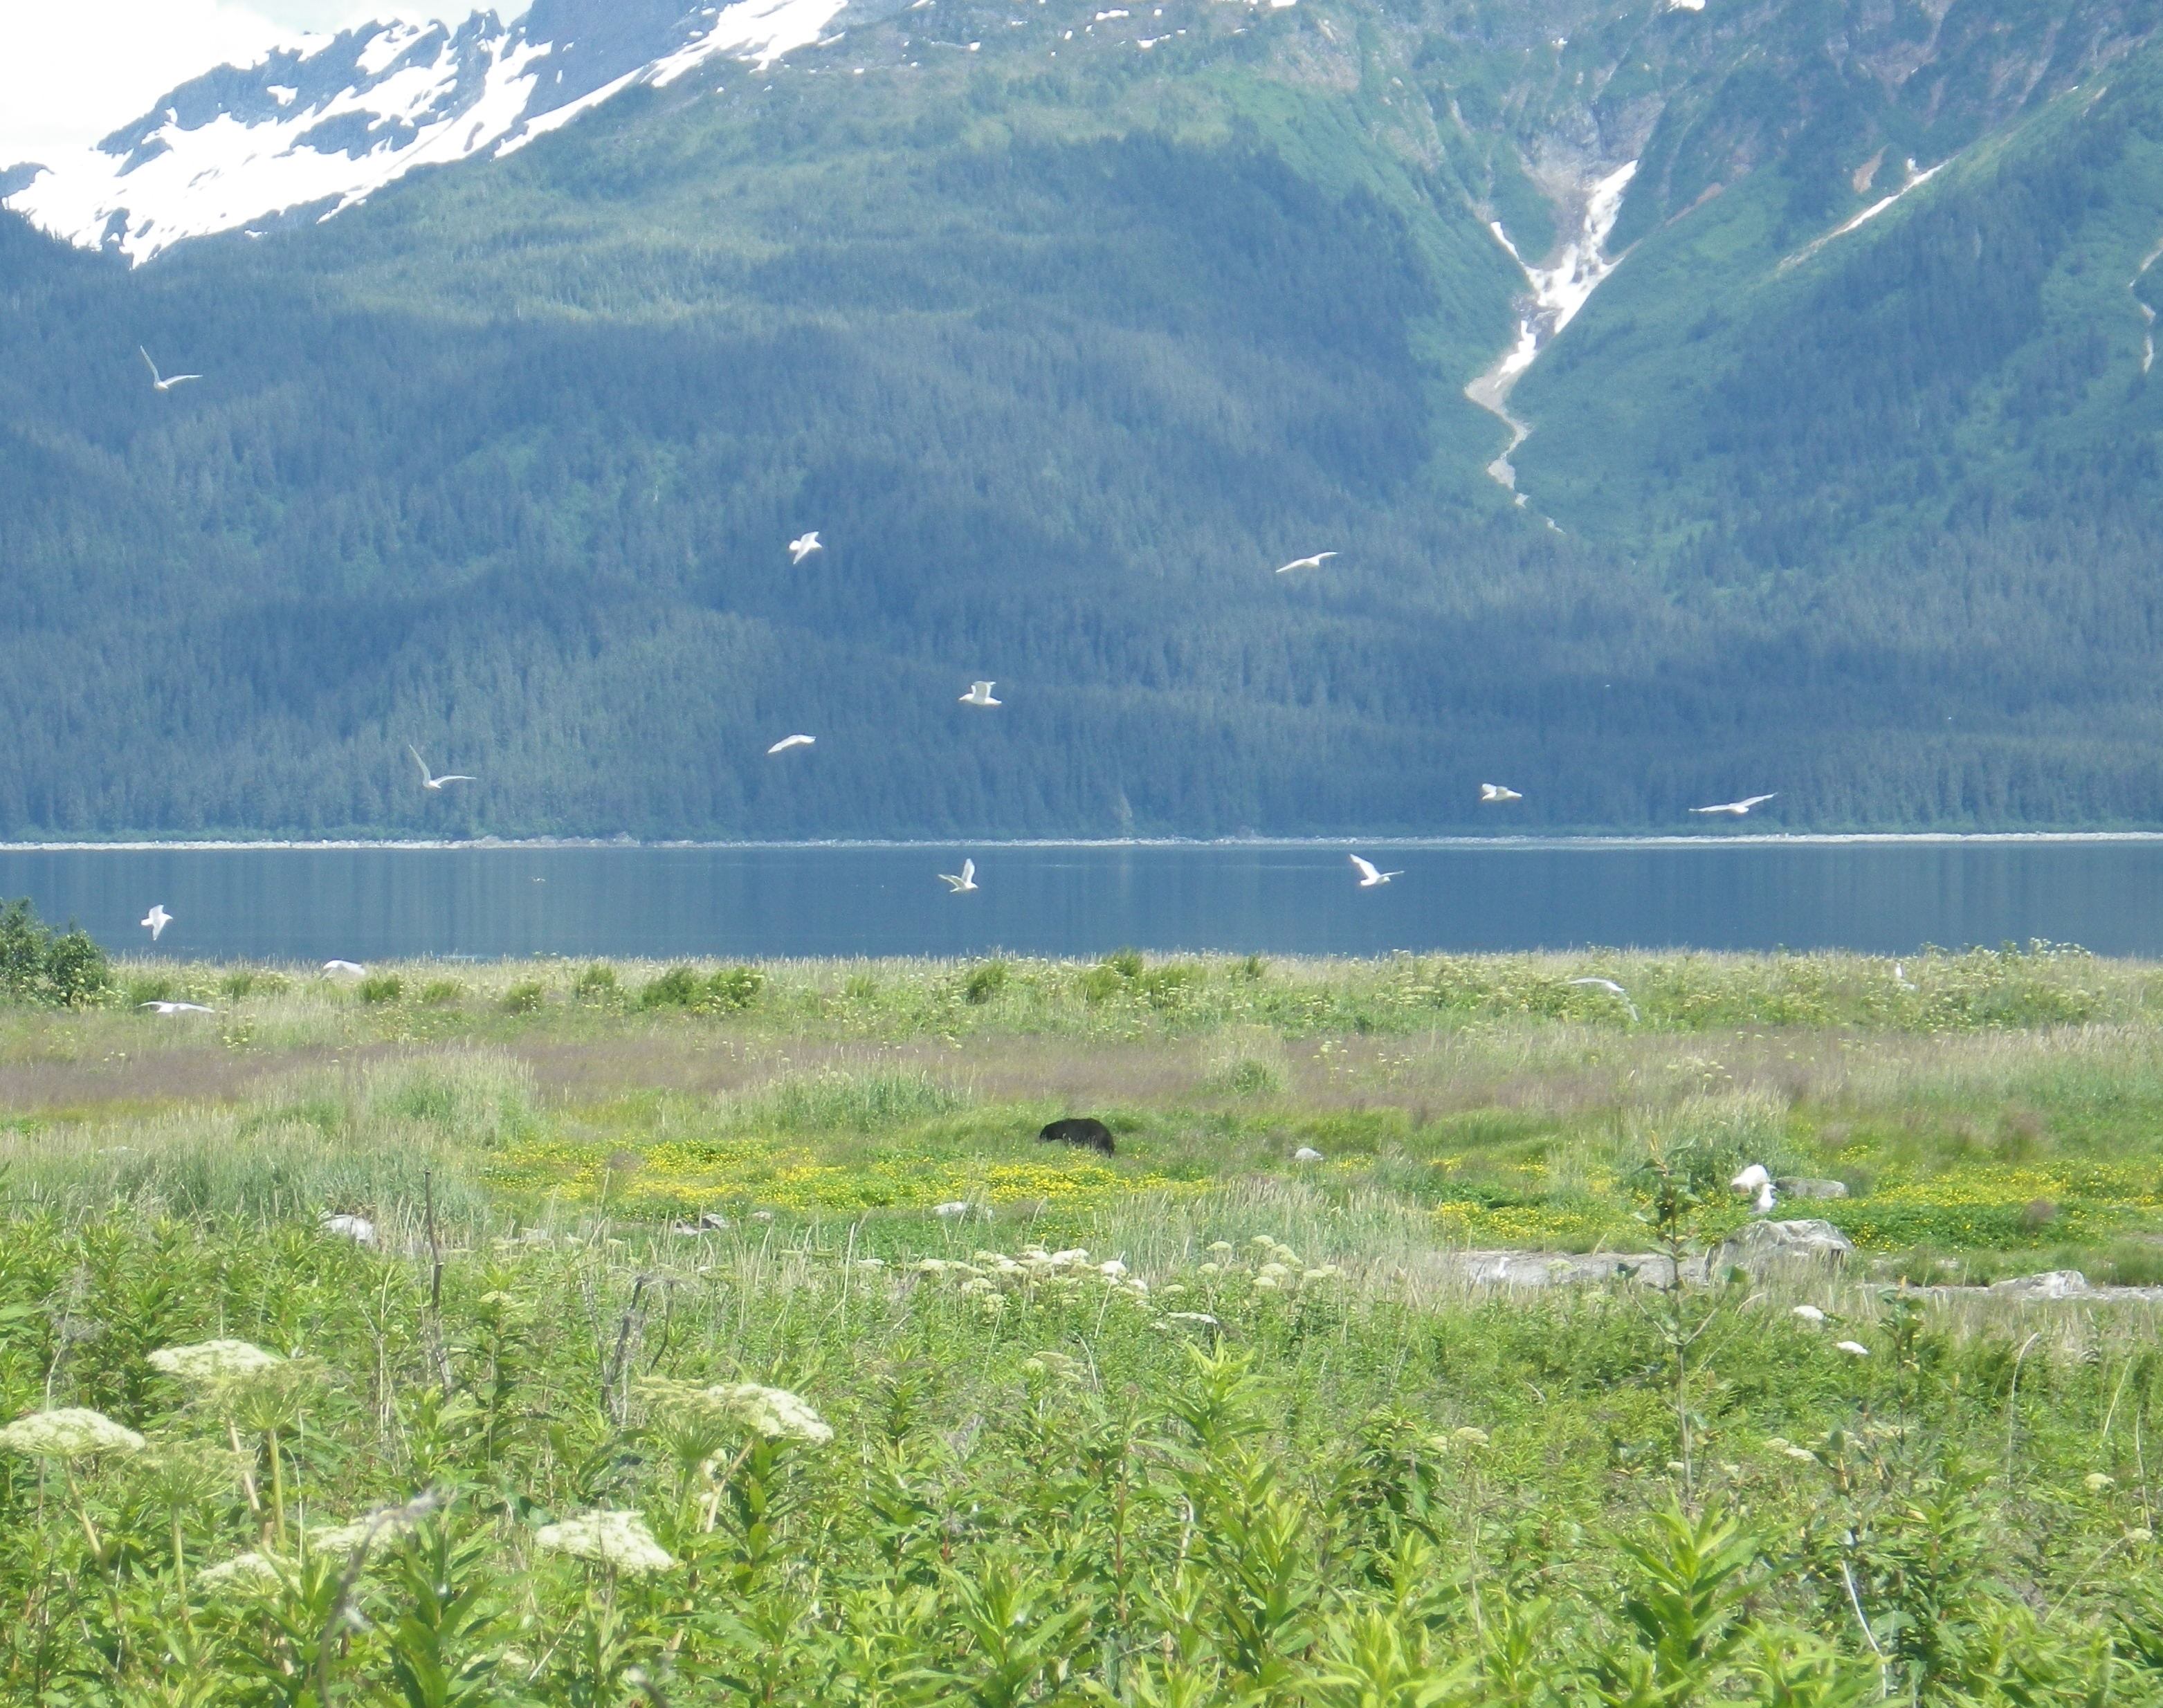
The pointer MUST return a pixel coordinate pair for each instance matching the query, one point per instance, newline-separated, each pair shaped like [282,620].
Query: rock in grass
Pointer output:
[1306,1153]
[1757,1245]
[357,1229]
[1802,1186]
[2052,1283]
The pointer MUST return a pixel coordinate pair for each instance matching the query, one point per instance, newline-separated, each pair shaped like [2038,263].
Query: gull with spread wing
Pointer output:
[157,381]
[1369,877]
[1737,809]
[429,779]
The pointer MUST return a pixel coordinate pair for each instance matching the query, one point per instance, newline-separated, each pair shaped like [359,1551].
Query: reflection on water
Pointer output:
[309,904]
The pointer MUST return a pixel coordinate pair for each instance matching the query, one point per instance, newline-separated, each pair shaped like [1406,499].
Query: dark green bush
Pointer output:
[679,987]
[596,983]
[382,987]
[984,983]
[443,993]
[252,981]
[37,964]
[734,989]
[527,996]
[149,987]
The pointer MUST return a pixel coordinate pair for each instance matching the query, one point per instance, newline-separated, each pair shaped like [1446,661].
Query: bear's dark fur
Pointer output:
[1082,1130]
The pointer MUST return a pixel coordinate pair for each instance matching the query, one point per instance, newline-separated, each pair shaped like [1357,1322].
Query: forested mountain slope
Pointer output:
[1063,342]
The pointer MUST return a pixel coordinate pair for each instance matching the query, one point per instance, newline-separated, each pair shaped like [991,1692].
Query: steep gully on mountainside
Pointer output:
[1557,292]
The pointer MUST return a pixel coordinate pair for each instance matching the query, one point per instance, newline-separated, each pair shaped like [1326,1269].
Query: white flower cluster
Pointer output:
[385,1526]
[1279,1269]
[773,1412]
[991,1276]
[243,1572]
[608,1538]
[69,1432]
[210,1362]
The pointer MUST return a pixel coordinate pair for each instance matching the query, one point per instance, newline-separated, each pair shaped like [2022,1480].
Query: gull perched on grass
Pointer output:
[157,919]
[980,694]
[1495,791]
[344,969]
[802,545]
[1757,1182]
[1737,809]
[170,1008]
[1313,562]
[1613,989]
[429,779]
[789,741]
[962,881]
[1900,977]
[1369,877]
[156,379]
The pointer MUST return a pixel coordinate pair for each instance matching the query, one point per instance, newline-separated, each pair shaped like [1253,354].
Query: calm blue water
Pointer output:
[369,904]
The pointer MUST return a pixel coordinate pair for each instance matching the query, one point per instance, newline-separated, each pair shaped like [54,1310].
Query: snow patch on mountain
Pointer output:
[313,128]
[760,31]
[1916,180]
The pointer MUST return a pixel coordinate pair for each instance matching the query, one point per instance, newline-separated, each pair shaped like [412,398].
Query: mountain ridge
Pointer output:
[1063,343]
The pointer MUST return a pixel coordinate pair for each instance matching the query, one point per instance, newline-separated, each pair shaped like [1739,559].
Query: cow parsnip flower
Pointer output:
[385,1526]
[69,1432]
[209,1362]
[607,1537]
[773,1412]
[244,1571]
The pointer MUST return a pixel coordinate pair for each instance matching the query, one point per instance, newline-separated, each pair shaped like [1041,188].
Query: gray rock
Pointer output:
[357,1229]
[1759,1246]
[2052,1283]
[1557,1268]
[1802,1186]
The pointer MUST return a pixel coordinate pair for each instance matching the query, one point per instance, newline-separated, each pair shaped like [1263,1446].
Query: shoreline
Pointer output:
[1590,840]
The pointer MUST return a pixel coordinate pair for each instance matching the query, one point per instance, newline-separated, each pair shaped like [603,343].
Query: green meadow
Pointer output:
[720,1333]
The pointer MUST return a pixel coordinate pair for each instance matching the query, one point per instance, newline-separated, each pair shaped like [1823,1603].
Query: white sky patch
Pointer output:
[74,71]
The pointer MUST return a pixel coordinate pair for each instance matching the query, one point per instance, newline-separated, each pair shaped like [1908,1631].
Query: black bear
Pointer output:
[1079,1130]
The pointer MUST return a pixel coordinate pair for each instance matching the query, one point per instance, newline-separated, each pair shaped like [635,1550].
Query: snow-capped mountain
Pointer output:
[311,128]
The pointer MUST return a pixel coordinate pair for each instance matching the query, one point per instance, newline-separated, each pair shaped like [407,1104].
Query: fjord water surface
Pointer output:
[308,904]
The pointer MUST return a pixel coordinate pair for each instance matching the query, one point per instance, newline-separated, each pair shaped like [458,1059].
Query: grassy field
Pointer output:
[665,1381]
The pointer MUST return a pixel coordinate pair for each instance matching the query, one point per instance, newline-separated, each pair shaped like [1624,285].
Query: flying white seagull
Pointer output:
[1313,562]
[157,919]
[429,779]
[802,545]
[1495,791]
[963,881]
[176,1008]
[1613,989]
[1369,877]
[789,741]
[980,694]
[161,383]
[1737,809]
